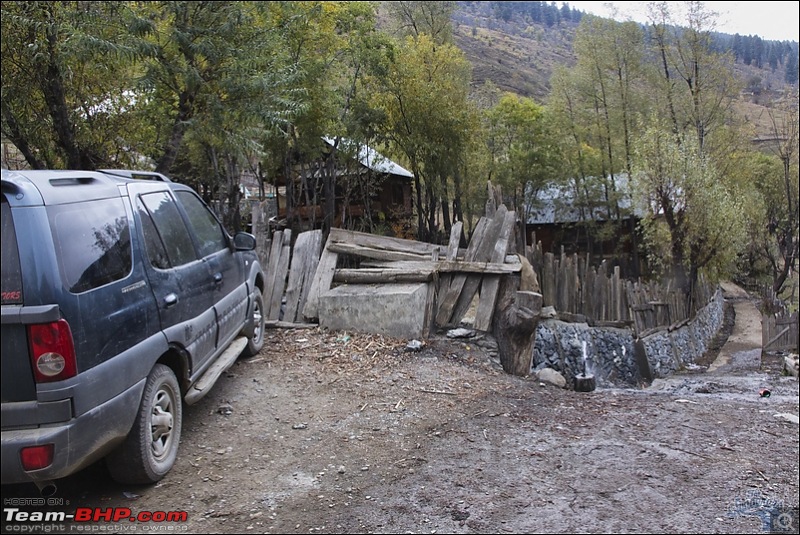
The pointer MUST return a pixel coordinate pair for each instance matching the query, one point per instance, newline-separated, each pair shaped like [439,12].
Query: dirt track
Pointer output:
[343,433]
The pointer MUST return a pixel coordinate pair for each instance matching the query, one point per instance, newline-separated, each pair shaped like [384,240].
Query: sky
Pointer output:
[779,21]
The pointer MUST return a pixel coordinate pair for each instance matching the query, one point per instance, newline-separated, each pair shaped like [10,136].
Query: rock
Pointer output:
[788,417]
[460,333]
[549,375]
[225,409]
[549,312]
[790,365]
[415,345]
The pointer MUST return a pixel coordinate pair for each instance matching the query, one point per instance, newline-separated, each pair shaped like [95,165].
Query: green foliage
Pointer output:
[693,220]
[63,83]
[422,90]
[416,18]
[523,157]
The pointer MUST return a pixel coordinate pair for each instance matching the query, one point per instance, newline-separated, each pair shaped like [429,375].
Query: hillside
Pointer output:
[519,55]
[516,55]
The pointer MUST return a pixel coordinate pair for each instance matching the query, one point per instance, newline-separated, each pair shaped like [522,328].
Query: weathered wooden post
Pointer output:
[514,325]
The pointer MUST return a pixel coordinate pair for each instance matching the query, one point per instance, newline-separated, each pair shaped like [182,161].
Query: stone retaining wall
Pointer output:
[609,353]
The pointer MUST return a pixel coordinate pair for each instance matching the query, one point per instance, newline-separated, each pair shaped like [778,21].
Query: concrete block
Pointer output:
[398,310]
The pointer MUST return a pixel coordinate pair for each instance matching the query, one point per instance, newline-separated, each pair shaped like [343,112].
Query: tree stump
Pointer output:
[514,325]
[584,383]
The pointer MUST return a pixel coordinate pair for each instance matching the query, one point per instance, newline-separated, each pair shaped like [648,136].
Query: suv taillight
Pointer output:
[37,457]
[52,351]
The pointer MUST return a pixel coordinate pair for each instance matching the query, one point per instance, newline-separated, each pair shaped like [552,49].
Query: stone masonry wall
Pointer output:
[608,353]
[671,351]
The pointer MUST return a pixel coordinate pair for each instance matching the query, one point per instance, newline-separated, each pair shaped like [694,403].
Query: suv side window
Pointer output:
[206,227]
[93,243]
[167,238]
[11,272]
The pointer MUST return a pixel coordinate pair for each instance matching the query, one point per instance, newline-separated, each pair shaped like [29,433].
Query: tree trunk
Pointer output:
[54,95]
[234,215]
[418,189]
[514,325]
[185,108]
[20,141]
[458,214]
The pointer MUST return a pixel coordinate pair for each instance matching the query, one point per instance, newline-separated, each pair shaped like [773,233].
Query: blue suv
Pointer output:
[123,297]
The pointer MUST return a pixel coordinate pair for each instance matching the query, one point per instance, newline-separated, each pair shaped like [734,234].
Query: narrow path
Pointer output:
[736,372]
[742,350]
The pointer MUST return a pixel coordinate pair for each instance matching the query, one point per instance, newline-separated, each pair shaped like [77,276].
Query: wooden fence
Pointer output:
[779,329]
[601,297]
[779,332]
[569,283]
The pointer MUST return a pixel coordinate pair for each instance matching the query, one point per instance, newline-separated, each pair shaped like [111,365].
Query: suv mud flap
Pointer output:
[225,361]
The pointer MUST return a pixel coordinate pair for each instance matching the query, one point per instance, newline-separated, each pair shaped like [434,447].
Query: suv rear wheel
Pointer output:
[151,447]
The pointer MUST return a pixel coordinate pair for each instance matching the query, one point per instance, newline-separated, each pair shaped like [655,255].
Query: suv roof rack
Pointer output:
[136,175]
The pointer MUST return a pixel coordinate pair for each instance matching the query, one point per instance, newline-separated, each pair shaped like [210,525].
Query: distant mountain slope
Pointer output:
[516,56]
[506,45]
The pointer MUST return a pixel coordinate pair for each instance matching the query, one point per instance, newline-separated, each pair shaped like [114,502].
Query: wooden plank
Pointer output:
[588,296]
[321,283]
[281,274]
[311,270]
[272,269]
[376,253]
[382,275]
[617,295]
[260,225]
[482,254]
[549,280]
[571,273]
[273,324]
[387,243]
[448,302]
[491,283]
[776,337]
[491,203]
[445,266]
[305,259]
[452,254]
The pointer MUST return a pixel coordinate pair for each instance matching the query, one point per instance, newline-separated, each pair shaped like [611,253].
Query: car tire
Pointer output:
[256,341]
[151,447]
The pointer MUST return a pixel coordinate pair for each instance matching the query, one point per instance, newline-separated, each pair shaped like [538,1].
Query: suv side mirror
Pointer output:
[244,241]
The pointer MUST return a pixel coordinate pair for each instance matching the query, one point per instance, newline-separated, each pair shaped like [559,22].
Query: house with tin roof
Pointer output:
[598,218]
[369,189]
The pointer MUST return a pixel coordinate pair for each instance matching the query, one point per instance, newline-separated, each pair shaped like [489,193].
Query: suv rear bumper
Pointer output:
[78,443]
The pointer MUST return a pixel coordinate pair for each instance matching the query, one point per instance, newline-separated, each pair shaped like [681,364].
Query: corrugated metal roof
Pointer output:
[372,159]
[557,204]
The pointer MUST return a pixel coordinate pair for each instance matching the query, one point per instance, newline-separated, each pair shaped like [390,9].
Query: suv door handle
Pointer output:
[171,300]
[217,278]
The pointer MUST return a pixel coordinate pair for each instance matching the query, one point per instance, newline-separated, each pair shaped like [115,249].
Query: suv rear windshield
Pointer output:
[11,273]
[93,243]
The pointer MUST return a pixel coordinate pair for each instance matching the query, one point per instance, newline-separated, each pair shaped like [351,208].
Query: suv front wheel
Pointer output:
[151,447]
